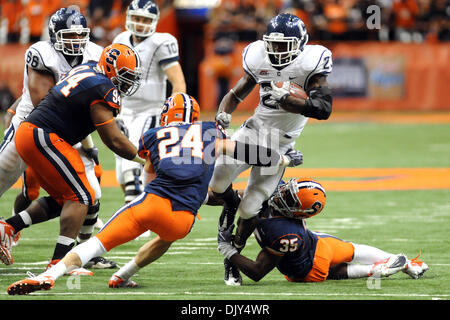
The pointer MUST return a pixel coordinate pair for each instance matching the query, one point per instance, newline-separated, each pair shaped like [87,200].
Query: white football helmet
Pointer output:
[142,9]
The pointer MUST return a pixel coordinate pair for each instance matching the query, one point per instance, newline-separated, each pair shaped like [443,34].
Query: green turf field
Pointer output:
[397,221]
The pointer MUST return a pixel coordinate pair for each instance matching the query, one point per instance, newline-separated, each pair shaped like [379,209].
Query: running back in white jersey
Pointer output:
[314,59]
[157,53]
[43,56]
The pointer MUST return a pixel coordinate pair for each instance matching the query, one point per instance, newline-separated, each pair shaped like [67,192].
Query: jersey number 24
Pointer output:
[170,136]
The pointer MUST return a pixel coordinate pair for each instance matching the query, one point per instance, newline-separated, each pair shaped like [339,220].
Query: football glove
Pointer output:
[122,127]
[279,94]
[295,157]
[224,242]
[223,119]
[92,153]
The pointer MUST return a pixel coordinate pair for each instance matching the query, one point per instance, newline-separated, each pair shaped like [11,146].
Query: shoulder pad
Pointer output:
[40,56]
[254,58]
[316,59]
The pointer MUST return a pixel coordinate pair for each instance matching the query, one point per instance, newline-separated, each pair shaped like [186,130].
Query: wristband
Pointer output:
[138,159]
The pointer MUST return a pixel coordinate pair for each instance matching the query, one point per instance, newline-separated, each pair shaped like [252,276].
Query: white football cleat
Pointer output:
[117,282]
[6,241]
[415,268]
[80,272]
[389,266]
[99,224]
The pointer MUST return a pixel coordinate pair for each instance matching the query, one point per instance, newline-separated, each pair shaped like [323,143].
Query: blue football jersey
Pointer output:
[290,238]
[183,157]
[66,108]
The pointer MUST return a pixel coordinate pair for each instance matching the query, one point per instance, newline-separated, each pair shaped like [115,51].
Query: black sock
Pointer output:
[61,250]
[17,223]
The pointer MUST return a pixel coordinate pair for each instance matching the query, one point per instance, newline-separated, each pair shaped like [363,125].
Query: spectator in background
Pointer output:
[36,13]
[11,12]
[441,19]
[242,20]
[222,65]
[404,14]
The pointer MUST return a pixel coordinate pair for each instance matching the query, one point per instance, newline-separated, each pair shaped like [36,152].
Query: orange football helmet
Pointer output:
[299,198]
[121,64]
[180,107]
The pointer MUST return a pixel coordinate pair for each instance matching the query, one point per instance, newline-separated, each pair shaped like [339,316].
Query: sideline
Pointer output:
[345,179]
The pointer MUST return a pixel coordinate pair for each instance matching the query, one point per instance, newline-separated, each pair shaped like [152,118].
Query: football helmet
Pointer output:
[180,107]
[121,64]
[138,11]
[299,198]
[68,31]
[285,38]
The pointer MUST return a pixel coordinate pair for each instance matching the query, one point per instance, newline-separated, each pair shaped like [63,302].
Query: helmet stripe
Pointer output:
[187,114]
[310,184]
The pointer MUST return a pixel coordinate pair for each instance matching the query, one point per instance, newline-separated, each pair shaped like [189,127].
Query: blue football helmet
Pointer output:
[68,31]
[139,9]
[285,38]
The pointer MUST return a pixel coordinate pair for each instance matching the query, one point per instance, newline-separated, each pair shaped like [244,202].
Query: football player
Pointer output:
[46,62]
[87,99]
[282,56]
[302,255]
[180,157]
[140,112]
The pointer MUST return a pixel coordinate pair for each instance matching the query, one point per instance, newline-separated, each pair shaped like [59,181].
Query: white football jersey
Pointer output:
[314,59]
[43,56]
[157,53]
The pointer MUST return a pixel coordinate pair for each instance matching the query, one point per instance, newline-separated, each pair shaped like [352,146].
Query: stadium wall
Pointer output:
[366,76]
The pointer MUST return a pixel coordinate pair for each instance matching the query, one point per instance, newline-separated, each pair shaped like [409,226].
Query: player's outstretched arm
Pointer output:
[231,100]
[103,118]
[257,155]
[255,270]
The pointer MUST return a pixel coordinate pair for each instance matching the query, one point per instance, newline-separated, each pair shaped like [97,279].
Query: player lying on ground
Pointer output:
[180,157]
[302,255]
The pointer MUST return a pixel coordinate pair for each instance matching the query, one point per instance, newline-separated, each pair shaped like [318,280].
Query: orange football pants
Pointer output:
[330,251]
[147,212]
[56,164]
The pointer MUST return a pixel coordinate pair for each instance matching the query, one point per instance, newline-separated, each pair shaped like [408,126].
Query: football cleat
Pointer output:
[117,282]
[6,241]
[28,285]
[415,268]
[99,224]
[232,274]
[80,272]
[100,263]
[389,266]
[17,235]
[74,272]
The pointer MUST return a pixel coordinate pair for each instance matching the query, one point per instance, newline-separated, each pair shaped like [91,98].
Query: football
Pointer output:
[294,89]
[297,91]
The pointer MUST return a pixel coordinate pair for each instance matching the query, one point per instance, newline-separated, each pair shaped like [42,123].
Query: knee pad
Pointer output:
[50,206]
[133,184]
